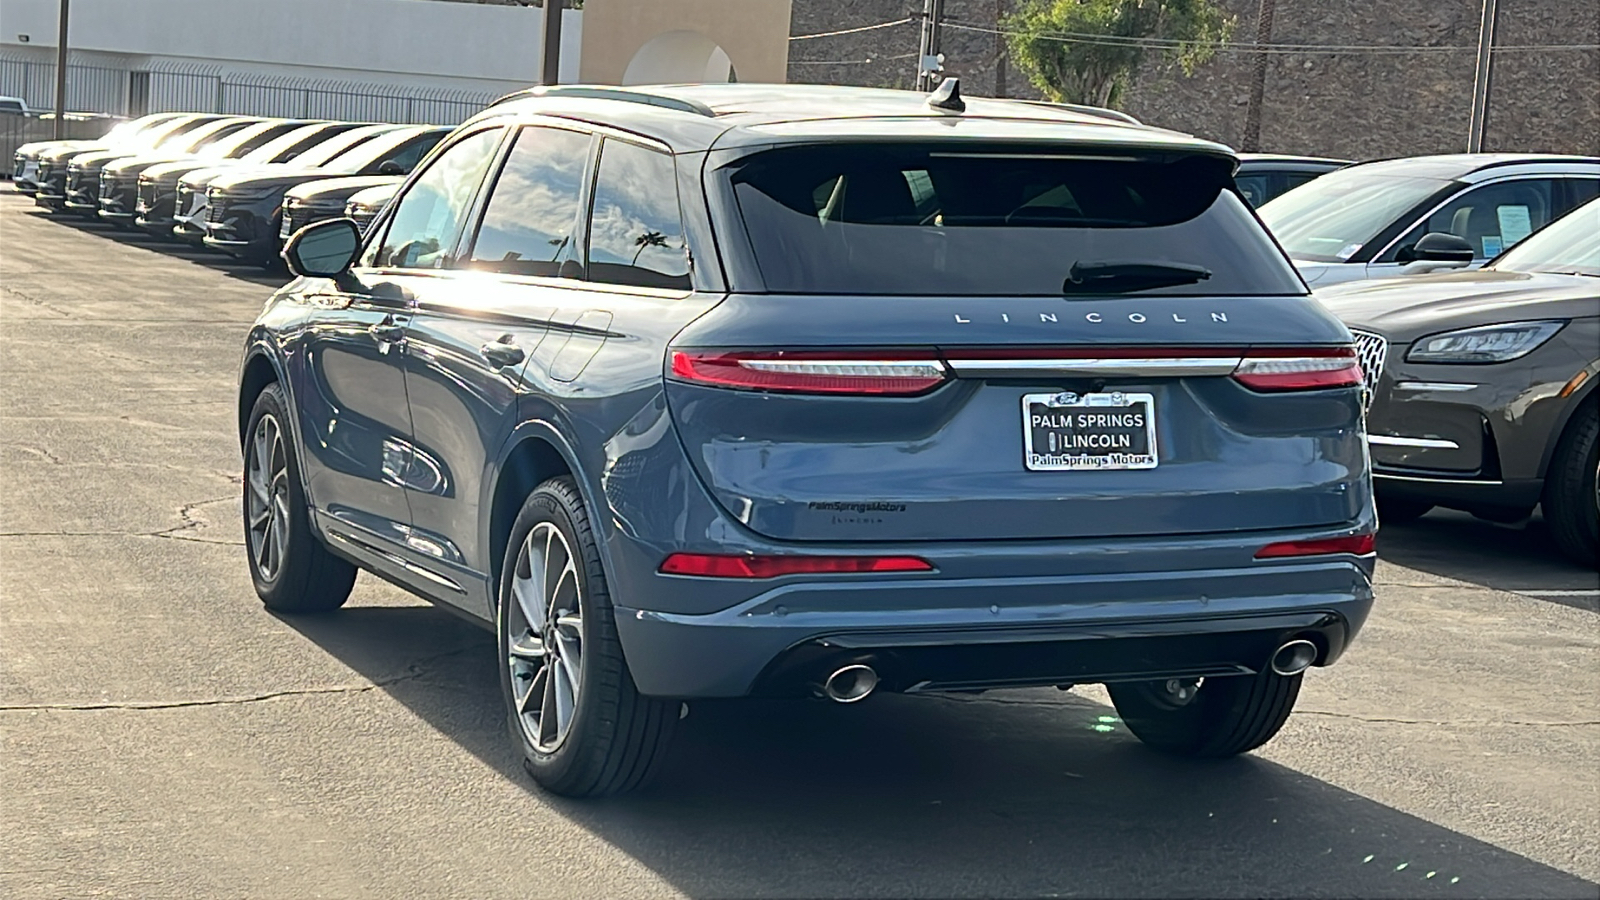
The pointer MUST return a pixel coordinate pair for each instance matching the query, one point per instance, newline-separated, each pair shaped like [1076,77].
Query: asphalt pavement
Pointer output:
[161,735]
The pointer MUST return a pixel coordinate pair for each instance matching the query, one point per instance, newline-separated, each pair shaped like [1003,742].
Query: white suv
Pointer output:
[1424,213]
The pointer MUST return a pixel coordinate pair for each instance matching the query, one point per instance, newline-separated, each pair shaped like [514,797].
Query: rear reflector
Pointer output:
[1299,369]
[811,373]
[1358,544]
[743,566]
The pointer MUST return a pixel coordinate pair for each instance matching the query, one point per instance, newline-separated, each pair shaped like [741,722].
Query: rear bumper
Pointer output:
[932,632]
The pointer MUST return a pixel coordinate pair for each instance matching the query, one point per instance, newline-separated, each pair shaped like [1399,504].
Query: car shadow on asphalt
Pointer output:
[198,255]
[1020,793]
[1520,557]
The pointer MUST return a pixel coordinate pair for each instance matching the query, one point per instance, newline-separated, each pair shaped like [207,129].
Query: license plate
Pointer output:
[1070,432]
[284,230]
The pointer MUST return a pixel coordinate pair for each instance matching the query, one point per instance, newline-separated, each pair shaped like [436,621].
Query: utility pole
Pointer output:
[1480,82]
[930,62]
[999,49]
[1251,141]
[551,52]
[60,130]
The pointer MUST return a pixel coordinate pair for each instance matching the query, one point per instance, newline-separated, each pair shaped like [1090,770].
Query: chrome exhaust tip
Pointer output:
[1294,657]
[850,684]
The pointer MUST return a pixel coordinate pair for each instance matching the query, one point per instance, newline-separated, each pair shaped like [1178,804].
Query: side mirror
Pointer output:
[1442,247]
[324,249]
[390,167]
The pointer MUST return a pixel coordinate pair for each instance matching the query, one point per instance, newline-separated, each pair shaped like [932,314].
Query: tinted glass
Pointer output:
[1331,218]
[529,224]
[1570,244]
[285,146]
[332,147]
[1491,218]
[405,148]
[635,229]
[1257,189]
[919,219]
[429,214]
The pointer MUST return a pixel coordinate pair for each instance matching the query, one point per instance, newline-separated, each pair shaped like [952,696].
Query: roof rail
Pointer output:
[586,92]
[1098,112]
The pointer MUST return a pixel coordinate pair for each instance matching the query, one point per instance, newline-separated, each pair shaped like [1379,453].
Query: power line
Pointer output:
[1238,47]
[850,62]
[828,34]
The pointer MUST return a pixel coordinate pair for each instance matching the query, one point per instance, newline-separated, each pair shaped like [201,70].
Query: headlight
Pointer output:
[1485,344]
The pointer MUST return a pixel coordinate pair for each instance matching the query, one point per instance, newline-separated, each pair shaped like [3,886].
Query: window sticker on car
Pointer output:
[1491,245]
[1515,223]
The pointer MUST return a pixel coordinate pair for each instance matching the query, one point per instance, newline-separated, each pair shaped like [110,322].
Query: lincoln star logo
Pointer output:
[1094,318]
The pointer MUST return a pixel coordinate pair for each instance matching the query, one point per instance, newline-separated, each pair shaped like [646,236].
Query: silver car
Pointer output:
[1425,213]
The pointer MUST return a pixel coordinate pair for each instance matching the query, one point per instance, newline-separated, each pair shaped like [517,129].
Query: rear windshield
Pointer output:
[891,219]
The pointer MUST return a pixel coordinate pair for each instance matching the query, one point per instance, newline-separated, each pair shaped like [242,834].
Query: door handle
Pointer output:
[387,332]
[502,352]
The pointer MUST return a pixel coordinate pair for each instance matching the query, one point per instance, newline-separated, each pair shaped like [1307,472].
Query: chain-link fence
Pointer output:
[115,91]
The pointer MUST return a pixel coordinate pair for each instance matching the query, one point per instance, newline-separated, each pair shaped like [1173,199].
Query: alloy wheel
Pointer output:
[544,631]
[267,498]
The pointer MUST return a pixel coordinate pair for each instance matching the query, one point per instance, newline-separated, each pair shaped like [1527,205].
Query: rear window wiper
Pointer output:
[1122,276]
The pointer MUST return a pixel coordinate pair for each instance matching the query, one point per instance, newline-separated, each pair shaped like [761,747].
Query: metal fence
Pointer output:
[138,92]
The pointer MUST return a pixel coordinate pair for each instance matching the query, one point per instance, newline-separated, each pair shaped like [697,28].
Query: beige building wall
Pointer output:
[664,41]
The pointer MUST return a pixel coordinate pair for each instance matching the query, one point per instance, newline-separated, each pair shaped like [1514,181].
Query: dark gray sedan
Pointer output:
[1484,384]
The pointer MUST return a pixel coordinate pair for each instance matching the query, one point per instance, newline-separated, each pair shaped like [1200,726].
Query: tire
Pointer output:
[293,571]
[1400,510]
[614,736]
[1224,716]
[1571,500]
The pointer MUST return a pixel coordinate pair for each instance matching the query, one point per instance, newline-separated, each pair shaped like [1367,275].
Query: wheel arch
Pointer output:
[258,370]
[1585,395]
[534,453]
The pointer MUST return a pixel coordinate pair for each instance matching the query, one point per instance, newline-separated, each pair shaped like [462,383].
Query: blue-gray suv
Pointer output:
[731,390]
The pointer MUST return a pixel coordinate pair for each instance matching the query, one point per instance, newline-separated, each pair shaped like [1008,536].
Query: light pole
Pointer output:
[61,75]
[1480,81]
[551,67]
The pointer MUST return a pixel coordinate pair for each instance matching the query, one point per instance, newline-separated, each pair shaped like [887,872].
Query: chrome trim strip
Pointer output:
[413,568]
[1432,386]
[1420,479]
[1207,365]
[1395,440]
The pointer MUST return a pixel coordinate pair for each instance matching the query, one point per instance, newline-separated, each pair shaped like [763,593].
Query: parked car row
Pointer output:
[237,184]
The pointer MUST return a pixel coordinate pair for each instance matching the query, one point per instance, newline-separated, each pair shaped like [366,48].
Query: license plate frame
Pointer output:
[1069,436]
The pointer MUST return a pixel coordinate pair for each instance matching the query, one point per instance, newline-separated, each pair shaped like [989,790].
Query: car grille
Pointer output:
[362,217]
[1371,350]
[18,166]
[147,195]
[215,210]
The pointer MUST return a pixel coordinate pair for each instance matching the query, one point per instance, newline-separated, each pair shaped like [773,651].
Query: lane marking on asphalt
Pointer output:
[1581,593]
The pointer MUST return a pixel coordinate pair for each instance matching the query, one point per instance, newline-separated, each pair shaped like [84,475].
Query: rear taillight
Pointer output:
[1298,369]
[712,565]
[1357,544]
[812,373]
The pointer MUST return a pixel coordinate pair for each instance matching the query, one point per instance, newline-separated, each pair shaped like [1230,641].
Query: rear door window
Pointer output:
[530,225]
[964,220]
[635,228]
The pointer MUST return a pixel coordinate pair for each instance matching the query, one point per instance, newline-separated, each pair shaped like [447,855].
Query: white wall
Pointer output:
[413,42]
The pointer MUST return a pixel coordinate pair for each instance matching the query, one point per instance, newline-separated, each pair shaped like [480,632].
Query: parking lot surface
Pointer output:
[165,736]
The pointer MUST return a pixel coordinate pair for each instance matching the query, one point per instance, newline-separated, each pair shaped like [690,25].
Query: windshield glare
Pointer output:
[1332,218]
[332,148]
[1570,244]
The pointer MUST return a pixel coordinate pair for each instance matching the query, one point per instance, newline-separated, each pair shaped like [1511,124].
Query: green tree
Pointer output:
[1087,51]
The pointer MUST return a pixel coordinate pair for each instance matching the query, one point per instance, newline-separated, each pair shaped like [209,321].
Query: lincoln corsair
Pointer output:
[731,390]
[1484,384]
